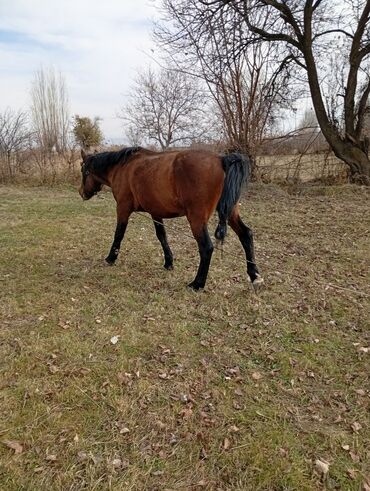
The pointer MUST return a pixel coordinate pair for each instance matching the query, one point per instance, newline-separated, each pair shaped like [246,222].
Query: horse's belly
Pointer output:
[159,206]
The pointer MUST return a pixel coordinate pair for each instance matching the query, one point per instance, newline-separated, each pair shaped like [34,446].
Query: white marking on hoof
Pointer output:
[258,282]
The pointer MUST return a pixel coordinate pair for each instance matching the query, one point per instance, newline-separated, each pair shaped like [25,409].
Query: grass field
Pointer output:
[217,390]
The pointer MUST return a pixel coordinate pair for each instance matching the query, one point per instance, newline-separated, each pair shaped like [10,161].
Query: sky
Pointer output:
[98,46]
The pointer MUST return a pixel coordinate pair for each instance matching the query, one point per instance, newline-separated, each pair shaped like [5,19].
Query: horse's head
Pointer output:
[90,185]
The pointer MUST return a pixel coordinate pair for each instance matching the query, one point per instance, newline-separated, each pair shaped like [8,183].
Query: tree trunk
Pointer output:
[357,160]
[351,152]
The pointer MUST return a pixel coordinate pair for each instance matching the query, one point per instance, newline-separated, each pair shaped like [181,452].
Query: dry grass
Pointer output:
[220,390]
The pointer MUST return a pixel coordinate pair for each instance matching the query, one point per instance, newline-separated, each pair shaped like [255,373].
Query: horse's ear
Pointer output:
[83,154]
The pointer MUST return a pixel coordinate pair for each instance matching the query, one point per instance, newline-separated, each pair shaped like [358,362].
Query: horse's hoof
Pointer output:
[195,286]
[110,261]
[258,283]
[169,267]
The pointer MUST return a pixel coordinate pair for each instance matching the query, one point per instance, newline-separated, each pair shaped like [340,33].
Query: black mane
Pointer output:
[99,163]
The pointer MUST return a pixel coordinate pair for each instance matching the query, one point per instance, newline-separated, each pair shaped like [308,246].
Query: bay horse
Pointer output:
[191,183]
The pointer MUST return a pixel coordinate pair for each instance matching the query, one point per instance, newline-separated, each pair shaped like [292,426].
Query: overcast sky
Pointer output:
[97,44]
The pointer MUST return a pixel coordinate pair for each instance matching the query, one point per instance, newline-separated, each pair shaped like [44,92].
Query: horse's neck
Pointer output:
[110,175]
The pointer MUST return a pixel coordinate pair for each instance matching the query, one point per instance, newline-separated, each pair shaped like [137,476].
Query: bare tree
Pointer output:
[165,108]
[302,33]
[246,86]
[49,110]
[14,137]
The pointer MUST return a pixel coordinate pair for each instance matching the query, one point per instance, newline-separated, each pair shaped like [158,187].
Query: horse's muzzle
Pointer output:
[85,196]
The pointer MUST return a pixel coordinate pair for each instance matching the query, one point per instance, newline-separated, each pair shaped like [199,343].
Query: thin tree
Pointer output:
[302,34]
[164,108]
[14,136]
[49,110]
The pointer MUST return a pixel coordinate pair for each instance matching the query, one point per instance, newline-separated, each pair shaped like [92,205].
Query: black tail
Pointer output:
[237,168]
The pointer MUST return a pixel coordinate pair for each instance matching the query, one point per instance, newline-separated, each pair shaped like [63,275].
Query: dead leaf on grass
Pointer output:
[202,483]
[157,473]
[119,463]
[14,445]
[352,473]
[361,392]
[51,458]
[322,466]
[82,456]
[356,427]
[226,444]
[354,457]
[234,429]
[256,376]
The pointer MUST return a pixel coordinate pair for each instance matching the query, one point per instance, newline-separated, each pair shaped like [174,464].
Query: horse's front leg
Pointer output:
[118,236]
[122,220]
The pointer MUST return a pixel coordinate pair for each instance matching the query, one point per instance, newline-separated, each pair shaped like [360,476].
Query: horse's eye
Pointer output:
[87,173]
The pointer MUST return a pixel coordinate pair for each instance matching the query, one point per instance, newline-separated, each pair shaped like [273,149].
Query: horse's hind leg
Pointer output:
[205,247]
[162,237]
[246,238]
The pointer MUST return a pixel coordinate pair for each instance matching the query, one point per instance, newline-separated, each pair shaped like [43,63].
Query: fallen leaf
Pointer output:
[345,447]
[233,429]
[157,473]
[14,445]
[366,486]
[352,473]
[226,444]
[256,376]
[361,392]
[116,463]
[51,458]
[81,456]
[364,349]
[354,457]
[114,339]
[322,467]
[124,430]
[356,427]
[203,454]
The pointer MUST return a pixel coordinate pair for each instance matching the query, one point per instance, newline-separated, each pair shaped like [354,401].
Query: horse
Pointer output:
[170,184]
